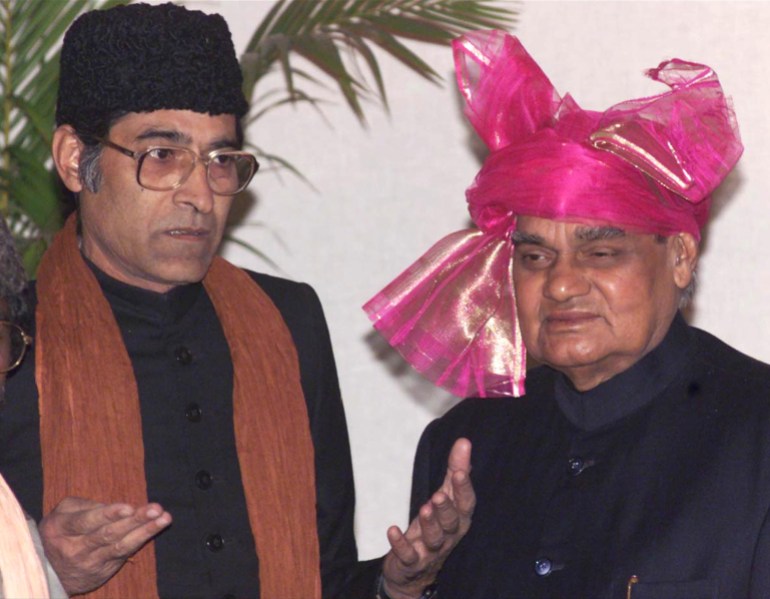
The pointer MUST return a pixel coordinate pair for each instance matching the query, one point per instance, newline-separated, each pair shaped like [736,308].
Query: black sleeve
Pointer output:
[302,312]
[760,572]
[20,454]
[363,581]
[423,472]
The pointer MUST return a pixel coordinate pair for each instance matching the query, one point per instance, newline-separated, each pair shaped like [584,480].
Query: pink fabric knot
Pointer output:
[648,165]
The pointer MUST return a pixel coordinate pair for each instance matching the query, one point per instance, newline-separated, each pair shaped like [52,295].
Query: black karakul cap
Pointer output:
[140,58]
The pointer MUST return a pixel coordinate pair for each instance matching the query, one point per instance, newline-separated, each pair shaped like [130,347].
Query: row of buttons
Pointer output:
[184,356]
[575,467]
[203,479]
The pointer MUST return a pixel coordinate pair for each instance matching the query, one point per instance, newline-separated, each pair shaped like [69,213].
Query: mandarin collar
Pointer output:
[160,308]
[632,389]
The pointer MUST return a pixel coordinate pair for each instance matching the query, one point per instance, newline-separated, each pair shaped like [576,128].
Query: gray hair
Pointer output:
[89,171]
[689,291]
[13,278]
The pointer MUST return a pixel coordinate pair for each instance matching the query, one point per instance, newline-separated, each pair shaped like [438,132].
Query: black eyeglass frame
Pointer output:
[206,160]
[26,338]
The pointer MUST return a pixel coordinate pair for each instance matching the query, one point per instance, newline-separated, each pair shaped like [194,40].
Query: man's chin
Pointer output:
[567,359]
[183,272]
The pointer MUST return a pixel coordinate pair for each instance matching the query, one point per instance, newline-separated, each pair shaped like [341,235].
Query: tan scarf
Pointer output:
[91,427]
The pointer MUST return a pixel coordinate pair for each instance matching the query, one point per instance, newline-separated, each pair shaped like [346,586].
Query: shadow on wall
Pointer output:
[721,200]
[432,399]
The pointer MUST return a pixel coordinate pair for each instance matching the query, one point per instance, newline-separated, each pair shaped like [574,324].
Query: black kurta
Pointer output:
[184,376]
[662,473]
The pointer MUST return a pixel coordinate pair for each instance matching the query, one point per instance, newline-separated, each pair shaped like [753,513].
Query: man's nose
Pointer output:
[195,191]
[566,280]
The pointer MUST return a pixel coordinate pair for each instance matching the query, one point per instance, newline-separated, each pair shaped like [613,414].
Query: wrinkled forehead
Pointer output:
[532,229]
[181,127]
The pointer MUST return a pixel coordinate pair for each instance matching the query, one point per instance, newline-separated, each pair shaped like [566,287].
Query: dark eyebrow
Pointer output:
[165,134]
[530,238]
[597,233]
[223,143]
[182,139]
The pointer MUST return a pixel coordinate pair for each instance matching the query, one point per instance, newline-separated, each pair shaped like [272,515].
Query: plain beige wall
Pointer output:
[385,194]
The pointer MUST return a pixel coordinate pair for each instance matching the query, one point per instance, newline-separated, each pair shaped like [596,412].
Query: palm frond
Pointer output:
[339,39]
[266,105]
[331,34]
[30,35]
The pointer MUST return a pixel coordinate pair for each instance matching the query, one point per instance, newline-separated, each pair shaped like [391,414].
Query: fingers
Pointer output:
[463,493]
[132,533]
[401,547]
[446,514]
[87,542]
[89,518]
[460,456]
[131,529]
[117,525]
[417,556]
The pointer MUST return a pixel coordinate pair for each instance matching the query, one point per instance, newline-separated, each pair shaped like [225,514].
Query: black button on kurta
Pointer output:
[203,479]
[215,543]
[183,355]
[674,488]
[575,466]
[543,566]
[193,412]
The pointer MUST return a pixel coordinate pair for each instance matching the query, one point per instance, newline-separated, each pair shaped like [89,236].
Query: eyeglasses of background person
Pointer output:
[14,342]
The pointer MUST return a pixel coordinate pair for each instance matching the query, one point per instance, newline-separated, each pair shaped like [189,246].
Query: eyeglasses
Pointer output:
[13,345]
[163,168]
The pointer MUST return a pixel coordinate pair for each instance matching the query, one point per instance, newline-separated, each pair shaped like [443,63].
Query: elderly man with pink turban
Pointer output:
[636,462]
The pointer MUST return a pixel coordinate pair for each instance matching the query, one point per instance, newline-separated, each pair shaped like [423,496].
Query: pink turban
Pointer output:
[647,165]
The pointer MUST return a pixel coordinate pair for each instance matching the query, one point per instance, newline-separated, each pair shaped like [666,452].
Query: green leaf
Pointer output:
[333,32]
[31,32]
[31,251]
[325,55]
[41,123]
[337,37]
[402,26]
[33,188]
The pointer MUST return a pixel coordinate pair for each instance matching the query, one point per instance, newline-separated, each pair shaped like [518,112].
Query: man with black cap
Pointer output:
[162,372]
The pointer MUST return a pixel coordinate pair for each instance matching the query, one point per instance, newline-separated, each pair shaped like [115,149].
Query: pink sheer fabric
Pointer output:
[647,165]
[452,316]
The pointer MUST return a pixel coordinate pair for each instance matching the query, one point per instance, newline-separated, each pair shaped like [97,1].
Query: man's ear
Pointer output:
[684,253]
[66,149]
